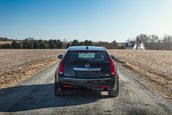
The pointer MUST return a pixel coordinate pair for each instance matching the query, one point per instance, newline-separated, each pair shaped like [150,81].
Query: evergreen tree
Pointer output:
[75,43]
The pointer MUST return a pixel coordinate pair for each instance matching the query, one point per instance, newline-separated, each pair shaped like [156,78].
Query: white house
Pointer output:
[139,46]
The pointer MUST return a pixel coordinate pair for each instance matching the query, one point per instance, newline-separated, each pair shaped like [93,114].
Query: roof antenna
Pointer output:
[86,47]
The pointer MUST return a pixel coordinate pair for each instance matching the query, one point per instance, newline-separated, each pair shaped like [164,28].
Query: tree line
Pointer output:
[31,43]
[153,42]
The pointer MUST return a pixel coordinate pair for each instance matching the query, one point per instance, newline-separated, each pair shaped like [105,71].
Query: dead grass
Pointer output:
[18,65]
[155,66]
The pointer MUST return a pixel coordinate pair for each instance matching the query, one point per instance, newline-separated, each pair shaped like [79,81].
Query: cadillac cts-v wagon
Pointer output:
[88,67]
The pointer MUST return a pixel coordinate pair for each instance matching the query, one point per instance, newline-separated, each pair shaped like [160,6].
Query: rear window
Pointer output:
[87,56]
[83,55]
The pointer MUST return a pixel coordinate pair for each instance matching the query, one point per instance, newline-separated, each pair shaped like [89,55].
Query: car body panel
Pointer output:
[93,84]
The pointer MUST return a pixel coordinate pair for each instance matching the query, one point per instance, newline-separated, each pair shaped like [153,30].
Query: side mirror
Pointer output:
[112,57]
[60,56]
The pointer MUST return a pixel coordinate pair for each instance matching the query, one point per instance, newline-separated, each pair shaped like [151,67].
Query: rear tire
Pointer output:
[58,91]
[115,91]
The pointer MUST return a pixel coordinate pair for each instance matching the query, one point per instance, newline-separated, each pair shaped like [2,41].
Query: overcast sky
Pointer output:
[97,20]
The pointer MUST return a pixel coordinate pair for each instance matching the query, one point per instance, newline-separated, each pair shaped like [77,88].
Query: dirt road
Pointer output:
[35,96]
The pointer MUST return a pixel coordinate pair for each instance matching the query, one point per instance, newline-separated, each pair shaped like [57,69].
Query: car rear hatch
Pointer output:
[87,64]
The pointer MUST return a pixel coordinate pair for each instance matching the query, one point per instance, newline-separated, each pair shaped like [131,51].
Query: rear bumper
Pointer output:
[93,84]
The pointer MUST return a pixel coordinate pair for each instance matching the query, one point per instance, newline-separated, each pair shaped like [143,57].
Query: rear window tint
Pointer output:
[87,56]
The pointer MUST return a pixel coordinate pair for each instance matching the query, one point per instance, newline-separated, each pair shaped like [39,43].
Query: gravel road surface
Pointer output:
[35,96]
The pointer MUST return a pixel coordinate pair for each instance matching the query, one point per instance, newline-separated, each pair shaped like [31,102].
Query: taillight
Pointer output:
[112,66]
[61,67]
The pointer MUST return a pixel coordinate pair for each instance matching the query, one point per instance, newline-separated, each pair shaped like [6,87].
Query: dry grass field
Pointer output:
[155,66]
[17,65]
